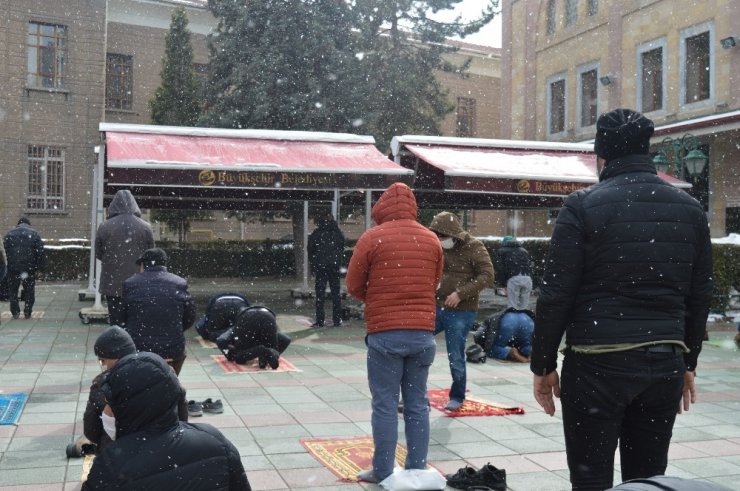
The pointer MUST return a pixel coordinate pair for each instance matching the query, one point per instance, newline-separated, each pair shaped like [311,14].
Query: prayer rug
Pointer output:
[11,407]
[438,398]
[252,366]
[86,466]
[346,457]
[205,343]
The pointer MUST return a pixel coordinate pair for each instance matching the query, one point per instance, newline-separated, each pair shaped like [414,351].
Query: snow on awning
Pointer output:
[508,167]
[162,156]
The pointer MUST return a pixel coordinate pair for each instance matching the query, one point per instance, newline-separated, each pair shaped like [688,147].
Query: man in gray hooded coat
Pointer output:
[120,241]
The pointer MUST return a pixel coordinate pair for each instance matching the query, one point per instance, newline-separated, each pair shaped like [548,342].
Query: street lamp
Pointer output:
[680,152]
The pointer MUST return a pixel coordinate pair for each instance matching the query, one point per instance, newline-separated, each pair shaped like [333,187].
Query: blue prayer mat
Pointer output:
[11,407]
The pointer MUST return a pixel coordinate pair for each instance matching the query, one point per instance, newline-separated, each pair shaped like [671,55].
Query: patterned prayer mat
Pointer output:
[252,366]
[438,398]
[346,457]
[11,407]
[86,466]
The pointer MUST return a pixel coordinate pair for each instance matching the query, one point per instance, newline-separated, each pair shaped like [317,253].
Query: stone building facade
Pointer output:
[677,61]
[67,65]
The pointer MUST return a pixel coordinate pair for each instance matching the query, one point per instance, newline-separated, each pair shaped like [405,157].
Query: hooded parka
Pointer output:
[153,450]
[120,240]
[468,268]
[396,266]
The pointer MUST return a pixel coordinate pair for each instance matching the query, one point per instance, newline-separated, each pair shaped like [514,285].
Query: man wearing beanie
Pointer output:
[112,344]
[158,308]
[628,280]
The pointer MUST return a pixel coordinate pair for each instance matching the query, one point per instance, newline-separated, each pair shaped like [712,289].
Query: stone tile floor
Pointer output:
[266,414]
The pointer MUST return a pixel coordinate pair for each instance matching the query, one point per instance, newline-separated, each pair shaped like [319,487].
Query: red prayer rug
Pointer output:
[438,398]
[252,366]
[346,457]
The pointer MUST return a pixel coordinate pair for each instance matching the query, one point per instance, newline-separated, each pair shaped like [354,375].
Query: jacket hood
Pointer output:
[448,224]
[143,391]
[396,203]
[123,203]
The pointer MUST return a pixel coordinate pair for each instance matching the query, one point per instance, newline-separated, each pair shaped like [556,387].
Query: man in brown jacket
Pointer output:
[467,271]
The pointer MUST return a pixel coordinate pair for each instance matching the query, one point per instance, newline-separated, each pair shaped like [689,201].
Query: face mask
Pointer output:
[447,243]
[109,425]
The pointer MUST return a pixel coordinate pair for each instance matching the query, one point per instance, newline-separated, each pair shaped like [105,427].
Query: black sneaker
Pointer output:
[195,409]
[317,325]
[487,476]
[211,406]
[492,477]
[463,478]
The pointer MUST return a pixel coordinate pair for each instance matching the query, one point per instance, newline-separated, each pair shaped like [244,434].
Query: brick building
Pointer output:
[67,65]
[677,61]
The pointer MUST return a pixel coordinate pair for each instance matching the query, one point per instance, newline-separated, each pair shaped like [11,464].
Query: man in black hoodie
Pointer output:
[628,279]
[25,255]
[152,449]
[325,253]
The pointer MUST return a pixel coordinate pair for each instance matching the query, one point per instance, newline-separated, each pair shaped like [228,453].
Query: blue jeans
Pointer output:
[515,329]
[456,324]
[398,362]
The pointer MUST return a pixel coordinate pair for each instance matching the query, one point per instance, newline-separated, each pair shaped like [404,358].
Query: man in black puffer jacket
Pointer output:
[25,256]
[157,308]
[628,279]
[152,449]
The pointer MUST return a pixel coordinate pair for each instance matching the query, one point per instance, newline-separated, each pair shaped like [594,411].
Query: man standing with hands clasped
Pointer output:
[628,279]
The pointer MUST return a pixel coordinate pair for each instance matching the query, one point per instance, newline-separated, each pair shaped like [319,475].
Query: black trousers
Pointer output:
[17,279]
[322,278]
[115,310]
[631,398]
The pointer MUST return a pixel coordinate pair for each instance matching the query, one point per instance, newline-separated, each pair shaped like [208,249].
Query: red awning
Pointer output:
[505,167]
[205,158]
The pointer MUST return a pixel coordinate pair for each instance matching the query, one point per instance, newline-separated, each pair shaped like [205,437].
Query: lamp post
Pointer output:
[679,154]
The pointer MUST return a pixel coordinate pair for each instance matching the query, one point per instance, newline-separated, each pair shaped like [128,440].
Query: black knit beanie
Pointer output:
[622,132]
[114,343]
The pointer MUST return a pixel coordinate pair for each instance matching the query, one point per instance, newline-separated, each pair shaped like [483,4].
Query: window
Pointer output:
[571,12]
[588,96]
[556,105]
[465,117]
[119,82]
[593,7]
[551,16]
[697,72]
[651,72]
[45,178]
[46,55]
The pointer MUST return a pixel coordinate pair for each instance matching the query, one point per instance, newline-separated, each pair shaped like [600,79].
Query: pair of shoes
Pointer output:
[195,409]
[368,476]
[453,405]
[487,476]
[211,406]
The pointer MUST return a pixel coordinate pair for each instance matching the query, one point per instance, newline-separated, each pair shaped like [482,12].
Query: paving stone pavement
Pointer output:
[51,358]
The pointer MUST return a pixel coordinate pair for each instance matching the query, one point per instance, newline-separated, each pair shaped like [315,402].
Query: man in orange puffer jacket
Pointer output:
[395,270]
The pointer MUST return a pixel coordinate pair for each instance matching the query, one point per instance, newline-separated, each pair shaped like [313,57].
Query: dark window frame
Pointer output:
[119,81]
[46,47]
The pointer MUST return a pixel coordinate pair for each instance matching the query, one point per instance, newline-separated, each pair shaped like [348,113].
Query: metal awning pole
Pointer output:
[368,207]
[98,218]
[335,205]
[305,246]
